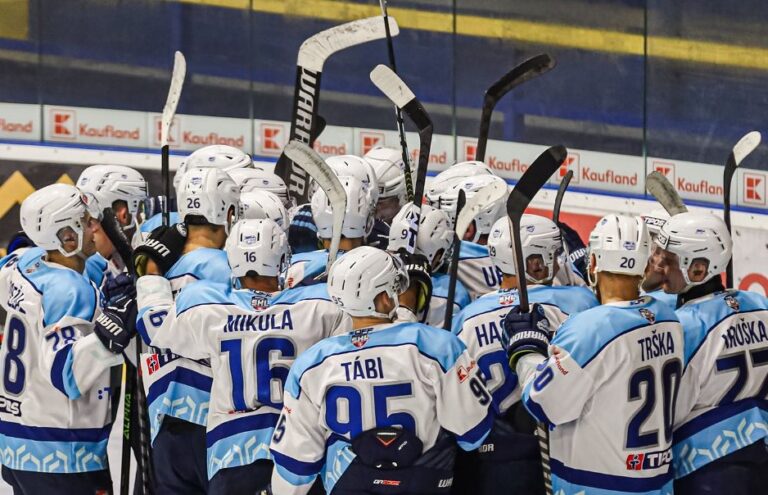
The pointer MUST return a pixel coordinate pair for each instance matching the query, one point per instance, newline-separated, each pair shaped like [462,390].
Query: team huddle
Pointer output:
[267,369]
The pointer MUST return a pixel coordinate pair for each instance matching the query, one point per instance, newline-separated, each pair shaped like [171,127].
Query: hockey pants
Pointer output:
[179,458]
[34,483]
[744,472]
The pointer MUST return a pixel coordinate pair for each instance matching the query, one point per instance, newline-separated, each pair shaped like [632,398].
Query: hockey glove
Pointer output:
[115,233]
[577,251]
[116,325]
[418,269]
[163,246]
[116,287]
[525,333]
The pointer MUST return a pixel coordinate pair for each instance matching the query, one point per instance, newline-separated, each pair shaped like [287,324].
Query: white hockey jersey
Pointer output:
[176,386]
[406,374]
[305,267]
[722,404]
[476,271]
[54,387]
[436,314]
[251,339]
[607,392]
[480,327]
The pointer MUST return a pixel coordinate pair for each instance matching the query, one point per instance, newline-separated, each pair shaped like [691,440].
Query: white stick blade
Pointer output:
[174,95]
[491,193]
[745,146]
[391,85]
[316,49]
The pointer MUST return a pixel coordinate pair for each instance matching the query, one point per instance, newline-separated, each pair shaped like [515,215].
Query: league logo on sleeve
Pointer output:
[360,337]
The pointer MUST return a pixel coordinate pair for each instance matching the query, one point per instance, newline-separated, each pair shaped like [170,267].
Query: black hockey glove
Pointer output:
[525,333]
[577,251]
[116,325]
[117,287]
[418,269]
[163,246]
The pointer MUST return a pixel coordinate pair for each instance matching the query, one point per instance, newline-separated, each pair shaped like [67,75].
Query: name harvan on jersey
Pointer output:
[744,333]
[259,322]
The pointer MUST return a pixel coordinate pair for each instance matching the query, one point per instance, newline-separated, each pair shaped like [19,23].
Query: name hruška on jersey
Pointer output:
[721,404]
[251,339]
[480,327]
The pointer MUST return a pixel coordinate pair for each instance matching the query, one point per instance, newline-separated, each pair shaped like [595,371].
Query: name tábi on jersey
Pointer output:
[365,369]
[259,322]
[656,345]
[744,333]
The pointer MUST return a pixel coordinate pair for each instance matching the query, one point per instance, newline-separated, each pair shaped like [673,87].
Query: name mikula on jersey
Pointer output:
[258,322]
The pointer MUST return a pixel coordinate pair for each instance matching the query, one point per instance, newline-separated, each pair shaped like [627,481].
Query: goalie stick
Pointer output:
[665,193]
[453,269]
[308,159]
[309,68]
[564,182]
[530,69]
[398,92]
[741,150]
[526,188]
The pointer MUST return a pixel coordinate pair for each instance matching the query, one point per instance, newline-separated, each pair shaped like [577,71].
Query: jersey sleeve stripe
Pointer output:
[473,438]
[179,375]
[296,467]
[247,424]
[50,434]
[534,407]
[622,484]
[292,478]
[717,415]
[62,375]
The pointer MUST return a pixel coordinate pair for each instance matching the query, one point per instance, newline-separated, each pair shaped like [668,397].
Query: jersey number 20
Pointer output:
[670,382]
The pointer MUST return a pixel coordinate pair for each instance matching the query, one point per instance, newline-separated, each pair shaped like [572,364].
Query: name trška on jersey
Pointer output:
[54,387]
[406,374]
[722,404]
[177,386]
[480,327]
[609,388]
[476,271]
[251,339]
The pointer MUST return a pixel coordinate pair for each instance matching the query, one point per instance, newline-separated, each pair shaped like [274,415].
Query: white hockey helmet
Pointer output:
[258,245]
[221,156]
[485,218]
[435,232]
[500,246]
[358,217]
[209,193]
[110,183]
[620,244]
[252,179]
[390,172]
[359,276]
[655,220]
[538,236]
[47,211]
[262,204]
[693,236]
[354,166]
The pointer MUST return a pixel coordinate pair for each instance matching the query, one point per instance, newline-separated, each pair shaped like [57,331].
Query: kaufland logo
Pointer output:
[571,162]
[173,132]
[754,188]
[63,124]
[15,127]
[666,169]
[369,140]
[272,139]
[470,150]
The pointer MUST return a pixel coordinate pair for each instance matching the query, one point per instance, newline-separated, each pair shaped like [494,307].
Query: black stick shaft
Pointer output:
[453,271]
[165,171]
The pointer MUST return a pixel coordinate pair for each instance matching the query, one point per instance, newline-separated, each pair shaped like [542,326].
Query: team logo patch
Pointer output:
[648,315]
[260,301]
[360,337]
[732,302]
[543,325]
[507,298]
[196,181]
[630,245]
[249,239]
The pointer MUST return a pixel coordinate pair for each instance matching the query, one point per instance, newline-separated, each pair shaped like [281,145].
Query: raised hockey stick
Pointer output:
[398,92]
[530,69]
[169,111]
[665,193]
[560,194]
[743,148]
[398,113]
[308,159]
[453,269]
[317,128]
[526,188]
[309,68]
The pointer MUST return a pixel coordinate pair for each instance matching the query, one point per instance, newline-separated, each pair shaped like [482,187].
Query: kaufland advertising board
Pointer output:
[79,125]
[19,122]
[190,132]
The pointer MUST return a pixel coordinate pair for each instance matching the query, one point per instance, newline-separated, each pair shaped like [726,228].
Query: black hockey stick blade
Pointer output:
[453,269]
[318,126]
[531,68]
[664,192]
[534,178]
[560,195]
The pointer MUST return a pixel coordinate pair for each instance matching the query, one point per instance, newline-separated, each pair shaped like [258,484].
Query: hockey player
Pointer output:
[258,179]
[511,449]
[390,175]
[606,384]
[652,280]
[373,406]
[59,346]
[178,389]
[720,421]
[251,335]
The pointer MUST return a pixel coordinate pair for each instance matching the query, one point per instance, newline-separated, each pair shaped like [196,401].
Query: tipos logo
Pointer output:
[63,124]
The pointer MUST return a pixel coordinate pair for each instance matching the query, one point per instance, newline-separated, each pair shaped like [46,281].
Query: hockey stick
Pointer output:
[169,111]
[317,128]
[526,188]
[398,92]
[453,269]
[398,113]
[530,69]
[308,159]
[743,148]
[309,68]
[665,193]
[560,194]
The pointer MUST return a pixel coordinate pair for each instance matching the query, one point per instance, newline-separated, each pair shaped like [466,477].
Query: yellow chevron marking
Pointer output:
[14,191]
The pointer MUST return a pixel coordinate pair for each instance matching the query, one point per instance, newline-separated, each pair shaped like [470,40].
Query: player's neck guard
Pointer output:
[714,284]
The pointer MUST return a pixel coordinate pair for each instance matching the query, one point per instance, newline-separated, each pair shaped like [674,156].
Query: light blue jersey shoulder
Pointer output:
[95,269]
[156,220]
[202,264]
[700,316]
[585,334]
[668,299]
[64,292]
[440,282]
[317,292]
[314,264]
[433,343]
[471,250]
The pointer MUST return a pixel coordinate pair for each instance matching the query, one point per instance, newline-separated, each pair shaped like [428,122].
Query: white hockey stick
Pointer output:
[169,111]
[665,193]
[481,199]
